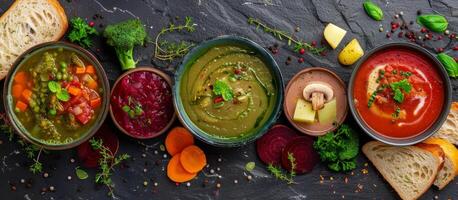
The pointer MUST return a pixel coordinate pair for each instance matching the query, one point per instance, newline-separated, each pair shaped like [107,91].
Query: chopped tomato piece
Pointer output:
[83,119]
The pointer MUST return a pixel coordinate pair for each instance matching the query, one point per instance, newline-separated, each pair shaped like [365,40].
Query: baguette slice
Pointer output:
[450,168]
[449,130]
[409,170]
[28,23]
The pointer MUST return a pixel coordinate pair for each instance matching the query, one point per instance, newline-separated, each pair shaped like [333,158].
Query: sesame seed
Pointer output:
[45,175]
[69,177]
[156,152]
[165,155]
[188,184]
[218,185]
[51,188]
[212,171]
[145,170]
[401,13]
[143,155]
[22,181]
[219,159]
[72,160]
[249,177]
[236,181]
[145,183]
[155,184]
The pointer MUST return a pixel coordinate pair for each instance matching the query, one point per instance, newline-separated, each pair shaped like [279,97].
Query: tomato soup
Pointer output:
[398,92]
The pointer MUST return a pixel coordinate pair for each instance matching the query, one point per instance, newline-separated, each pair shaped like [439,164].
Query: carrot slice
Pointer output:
[21,106]
[80,70]
[90,69]
[74,91]
[176,172]
[193,159]
[17,90]
[26,94]
[96,103]
[178,139]
[92,84]
[20,77]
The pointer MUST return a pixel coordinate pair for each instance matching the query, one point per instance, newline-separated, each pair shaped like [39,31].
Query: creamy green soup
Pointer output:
[228,92]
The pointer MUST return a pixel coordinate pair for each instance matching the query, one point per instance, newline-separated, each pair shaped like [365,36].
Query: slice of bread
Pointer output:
[449,130]
[28,23]
[409,170]
[450,168]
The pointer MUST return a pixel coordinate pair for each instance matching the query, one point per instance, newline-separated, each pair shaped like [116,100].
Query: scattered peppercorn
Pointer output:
[388,35]
[440,49]
[302,51]
[419,12]
[300,60]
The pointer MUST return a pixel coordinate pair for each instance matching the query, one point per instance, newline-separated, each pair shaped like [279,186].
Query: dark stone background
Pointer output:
[216,18]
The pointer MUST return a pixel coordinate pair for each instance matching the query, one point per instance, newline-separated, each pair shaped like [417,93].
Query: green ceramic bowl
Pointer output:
[200,50]
[8,98]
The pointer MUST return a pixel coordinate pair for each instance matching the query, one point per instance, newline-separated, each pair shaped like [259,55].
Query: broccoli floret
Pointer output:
[81,32]
[124,36]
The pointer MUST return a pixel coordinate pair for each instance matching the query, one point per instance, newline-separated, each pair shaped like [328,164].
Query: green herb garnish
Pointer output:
[166,50]
[339,148]
[373,10]
[436,23]
[396,113]
[61,94]
[397,86]
[107,162]
[250,166]
[282,35]
[449,63]
[81,174]
[222,88]
[81,32]
[278,172]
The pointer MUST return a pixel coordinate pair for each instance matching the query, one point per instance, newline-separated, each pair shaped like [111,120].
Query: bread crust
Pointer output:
[63,18]
[372,143]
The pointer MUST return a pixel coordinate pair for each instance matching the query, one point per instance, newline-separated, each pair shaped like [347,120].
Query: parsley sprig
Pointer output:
[222,88]
[398,87]
[107,163]
[280,175]
[81,32]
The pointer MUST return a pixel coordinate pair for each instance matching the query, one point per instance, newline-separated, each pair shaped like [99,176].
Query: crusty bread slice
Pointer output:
[409,170]
[28,23]
[450,168]
[449,130]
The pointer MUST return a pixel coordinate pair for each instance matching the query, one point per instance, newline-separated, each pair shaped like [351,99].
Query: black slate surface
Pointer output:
[214,18]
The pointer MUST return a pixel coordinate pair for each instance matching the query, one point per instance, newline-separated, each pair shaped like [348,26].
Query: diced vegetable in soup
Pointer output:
[56,95]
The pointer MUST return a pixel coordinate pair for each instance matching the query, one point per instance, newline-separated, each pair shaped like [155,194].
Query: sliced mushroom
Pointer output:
[318,93]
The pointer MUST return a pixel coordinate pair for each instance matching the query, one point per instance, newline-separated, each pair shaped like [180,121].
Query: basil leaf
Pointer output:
[54,86]
[63,95]
[81,174]
[449,63]
[436,23]
[373,10]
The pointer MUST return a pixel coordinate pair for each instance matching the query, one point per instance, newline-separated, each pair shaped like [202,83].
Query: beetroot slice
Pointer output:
[89,156]
[271,145]
[305,156]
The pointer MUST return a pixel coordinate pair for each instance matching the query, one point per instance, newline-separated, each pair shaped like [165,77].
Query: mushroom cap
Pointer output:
[320,87]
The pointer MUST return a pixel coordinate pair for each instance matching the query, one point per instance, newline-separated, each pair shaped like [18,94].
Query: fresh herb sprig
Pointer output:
[31,151]
[166,50]
[282,35]
[107,163]
[81,33]
[280,175]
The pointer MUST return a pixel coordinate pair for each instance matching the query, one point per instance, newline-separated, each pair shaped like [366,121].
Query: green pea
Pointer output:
[36,109]
[59,76]
[53,112]
[16,109]
[70,78]
[63,64]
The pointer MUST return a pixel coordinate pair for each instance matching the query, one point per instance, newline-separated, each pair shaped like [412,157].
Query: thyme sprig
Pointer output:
[107,162]
[280,175]
[167,50]
[31,151]
[282,35]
